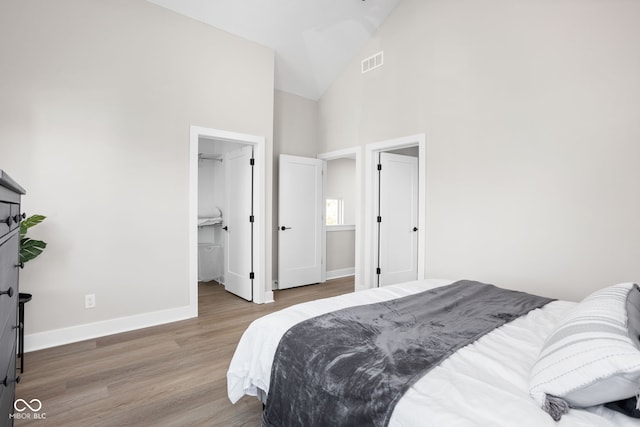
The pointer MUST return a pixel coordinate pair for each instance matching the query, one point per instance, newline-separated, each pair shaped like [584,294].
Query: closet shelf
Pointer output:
[205,222]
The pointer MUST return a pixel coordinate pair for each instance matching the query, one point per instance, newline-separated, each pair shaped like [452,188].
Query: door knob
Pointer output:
[285,228]
[415,228]
[225,228]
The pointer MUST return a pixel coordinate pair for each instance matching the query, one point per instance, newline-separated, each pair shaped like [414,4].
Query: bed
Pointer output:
[485,383]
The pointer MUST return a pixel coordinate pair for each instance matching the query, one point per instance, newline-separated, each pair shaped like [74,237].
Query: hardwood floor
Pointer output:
[168,375]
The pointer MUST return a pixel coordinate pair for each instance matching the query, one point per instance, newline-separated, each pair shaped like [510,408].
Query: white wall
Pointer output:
[295,128]
[341,184]
[341,253]
[531,110]
[97,101]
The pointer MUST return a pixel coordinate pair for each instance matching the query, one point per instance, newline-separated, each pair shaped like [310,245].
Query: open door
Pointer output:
[238,225]
[397,203]
[300,221]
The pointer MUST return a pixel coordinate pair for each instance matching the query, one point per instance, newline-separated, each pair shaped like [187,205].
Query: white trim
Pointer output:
[370,161]
[344,272]
[56,337]
[260,293]
[268,297]
[323,249]
[351,153]
[344,227]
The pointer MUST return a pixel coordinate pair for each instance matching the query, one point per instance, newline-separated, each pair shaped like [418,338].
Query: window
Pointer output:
[334,212]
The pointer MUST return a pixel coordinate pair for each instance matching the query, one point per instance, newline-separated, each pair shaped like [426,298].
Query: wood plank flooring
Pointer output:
[167,375]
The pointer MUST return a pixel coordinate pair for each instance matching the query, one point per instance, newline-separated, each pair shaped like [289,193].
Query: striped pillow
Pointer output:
[593,355]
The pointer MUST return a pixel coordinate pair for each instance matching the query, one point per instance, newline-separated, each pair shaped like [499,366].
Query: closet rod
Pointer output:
[205,157]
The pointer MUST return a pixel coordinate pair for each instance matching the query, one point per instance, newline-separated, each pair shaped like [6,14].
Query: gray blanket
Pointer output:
[350,367]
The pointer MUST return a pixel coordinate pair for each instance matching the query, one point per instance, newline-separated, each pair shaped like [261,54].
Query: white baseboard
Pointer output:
[56,337]
[334,274]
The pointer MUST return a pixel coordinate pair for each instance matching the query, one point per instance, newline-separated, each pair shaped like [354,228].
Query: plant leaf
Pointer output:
[33,220]
[29,248]
[30,222]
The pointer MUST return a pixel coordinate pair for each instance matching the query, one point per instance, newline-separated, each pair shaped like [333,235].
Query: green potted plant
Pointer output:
[30,248]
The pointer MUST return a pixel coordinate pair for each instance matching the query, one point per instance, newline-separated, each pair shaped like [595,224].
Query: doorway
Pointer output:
[256,145]
[403,251]
[225,206]
[213,214]
[396,198]
[342,165]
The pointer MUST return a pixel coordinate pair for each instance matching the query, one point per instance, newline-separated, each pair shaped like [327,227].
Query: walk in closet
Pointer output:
[226,199]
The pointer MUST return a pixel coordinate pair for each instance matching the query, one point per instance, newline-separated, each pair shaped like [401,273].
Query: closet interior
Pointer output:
[212,190]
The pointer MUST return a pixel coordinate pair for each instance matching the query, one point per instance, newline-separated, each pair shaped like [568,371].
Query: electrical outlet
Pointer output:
[90,301]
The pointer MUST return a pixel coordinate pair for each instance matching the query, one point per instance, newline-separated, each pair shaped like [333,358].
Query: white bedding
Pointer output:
[483,384]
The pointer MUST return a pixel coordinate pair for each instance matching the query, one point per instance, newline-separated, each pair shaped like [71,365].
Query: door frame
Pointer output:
[371,151]
[260,294]
[351,153]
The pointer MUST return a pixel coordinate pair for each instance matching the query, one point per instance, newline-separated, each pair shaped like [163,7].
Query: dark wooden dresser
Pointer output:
[10,218]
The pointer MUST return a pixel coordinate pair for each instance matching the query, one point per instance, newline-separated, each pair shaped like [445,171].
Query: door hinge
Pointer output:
[379,166]
[251,218]
[379,219]
[252,276]
[252,162]
[378,271]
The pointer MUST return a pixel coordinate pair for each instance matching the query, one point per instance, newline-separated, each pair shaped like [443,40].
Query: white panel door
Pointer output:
[300,221]
[238,236]
[398,232]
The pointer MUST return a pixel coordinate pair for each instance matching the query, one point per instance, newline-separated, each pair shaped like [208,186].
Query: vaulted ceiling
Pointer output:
[313,40]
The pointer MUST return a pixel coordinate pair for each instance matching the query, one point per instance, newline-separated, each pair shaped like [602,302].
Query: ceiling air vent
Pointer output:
[374,61]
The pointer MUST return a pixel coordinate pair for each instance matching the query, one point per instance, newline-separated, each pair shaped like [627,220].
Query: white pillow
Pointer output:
[593,355]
